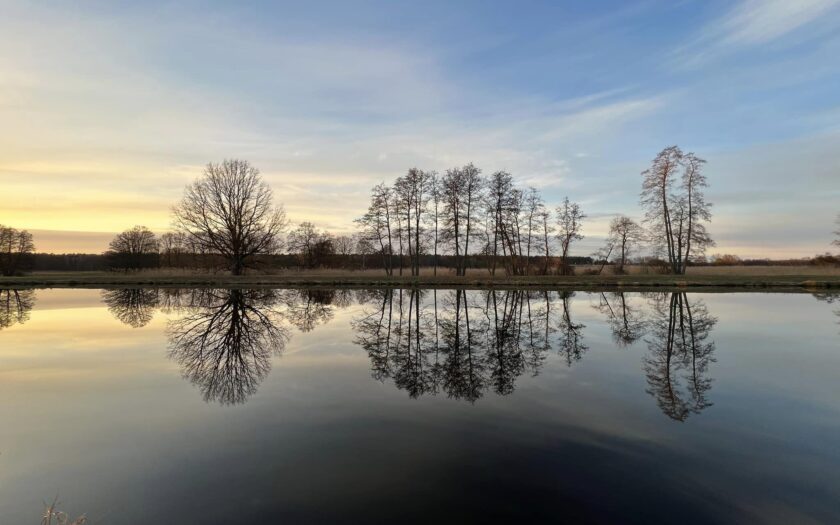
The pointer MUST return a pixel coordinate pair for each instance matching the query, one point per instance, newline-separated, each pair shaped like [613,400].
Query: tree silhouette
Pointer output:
[16,250]
[225,343]
[134,249]
[229,212]
[679,355]
[675,213]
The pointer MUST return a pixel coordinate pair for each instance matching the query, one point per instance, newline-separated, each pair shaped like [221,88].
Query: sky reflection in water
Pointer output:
[211,405]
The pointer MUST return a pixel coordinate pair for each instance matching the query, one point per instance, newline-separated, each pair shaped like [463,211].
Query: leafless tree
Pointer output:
[364,247]
[498,196]
[173,249]
[376,225]
[310,244]
[435,198]
[625,235]
[411,195]
[344,245]
[533,206]
[569,217]
[692,237]
[675,213]
[16,249]
[544,216]
[462,191]
[229,211]
[836,241]
[134,249]
[505,203]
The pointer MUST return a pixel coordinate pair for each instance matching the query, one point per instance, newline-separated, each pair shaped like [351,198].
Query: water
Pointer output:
[293,406]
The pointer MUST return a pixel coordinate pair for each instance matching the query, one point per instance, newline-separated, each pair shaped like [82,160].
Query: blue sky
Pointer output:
[107,109]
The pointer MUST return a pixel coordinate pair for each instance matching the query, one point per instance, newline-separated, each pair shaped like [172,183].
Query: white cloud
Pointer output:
[751,23]
[759,21]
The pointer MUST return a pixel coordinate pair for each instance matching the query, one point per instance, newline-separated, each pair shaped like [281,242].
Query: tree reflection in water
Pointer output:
[307,308]
[830,298]
[459,343]
[571,334]
[679,355]
[456,342]
[15,306]
[134,307]
[224,343]
[626,322]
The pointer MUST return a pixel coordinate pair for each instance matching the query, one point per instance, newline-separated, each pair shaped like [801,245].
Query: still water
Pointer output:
[387,406]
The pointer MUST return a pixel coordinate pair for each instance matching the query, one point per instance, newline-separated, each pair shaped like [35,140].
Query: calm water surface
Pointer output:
[374,406]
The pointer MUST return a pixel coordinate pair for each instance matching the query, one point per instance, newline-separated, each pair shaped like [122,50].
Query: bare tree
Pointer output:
[344,245]
[657,185]
[505,203]
[625,235]
[310,244]
[569,219]
[498,195]
[376,225]
[228,211]
[675,214]
[172,249]
[462,191]
[364,247]
[134,249]
[411,197]
[16,249]
[693,239]
[547,229]
[533,206]
[435,198]
[836,241]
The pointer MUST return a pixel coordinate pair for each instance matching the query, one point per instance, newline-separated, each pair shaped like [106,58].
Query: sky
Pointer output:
[109,109]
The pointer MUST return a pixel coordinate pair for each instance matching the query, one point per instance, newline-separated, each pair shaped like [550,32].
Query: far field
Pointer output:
[707,277]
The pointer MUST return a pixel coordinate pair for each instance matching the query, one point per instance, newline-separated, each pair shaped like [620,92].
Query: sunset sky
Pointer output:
[108,109]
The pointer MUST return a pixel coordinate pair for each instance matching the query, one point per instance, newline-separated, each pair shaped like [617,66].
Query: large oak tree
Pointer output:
[229,212]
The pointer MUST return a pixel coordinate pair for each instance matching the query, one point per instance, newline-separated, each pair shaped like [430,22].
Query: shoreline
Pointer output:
[581,282]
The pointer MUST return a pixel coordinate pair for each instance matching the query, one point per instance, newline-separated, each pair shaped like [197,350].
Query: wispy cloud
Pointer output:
[751,23]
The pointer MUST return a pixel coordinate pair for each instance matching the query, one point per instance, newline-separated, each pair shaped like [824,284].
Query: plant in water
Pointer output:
[51,515]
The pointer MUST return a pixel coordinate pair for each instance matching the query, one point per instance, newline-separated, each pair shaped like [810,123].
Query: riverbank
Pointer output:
[729,280]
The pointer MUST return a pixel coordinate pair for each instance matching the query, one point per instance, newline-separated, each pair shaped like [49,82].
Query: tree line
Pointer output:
[459,219]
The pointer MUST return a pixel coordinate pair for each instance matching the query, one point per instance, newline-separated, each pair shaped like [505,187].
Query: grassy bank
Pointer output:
[731,278]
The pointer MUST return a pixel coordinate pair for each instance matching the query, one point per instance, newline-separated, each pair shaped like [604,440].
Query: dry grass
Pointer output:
[442,273]
[752,271]
[732,277]
[51,515]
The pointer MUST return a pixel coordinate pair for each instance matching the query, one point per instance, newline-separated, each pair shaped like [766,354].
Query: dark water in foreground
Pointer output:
[308,406]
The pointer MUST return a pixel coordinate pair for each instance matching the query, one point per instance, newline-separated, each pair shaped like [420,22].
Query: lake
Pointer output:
[386,406]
